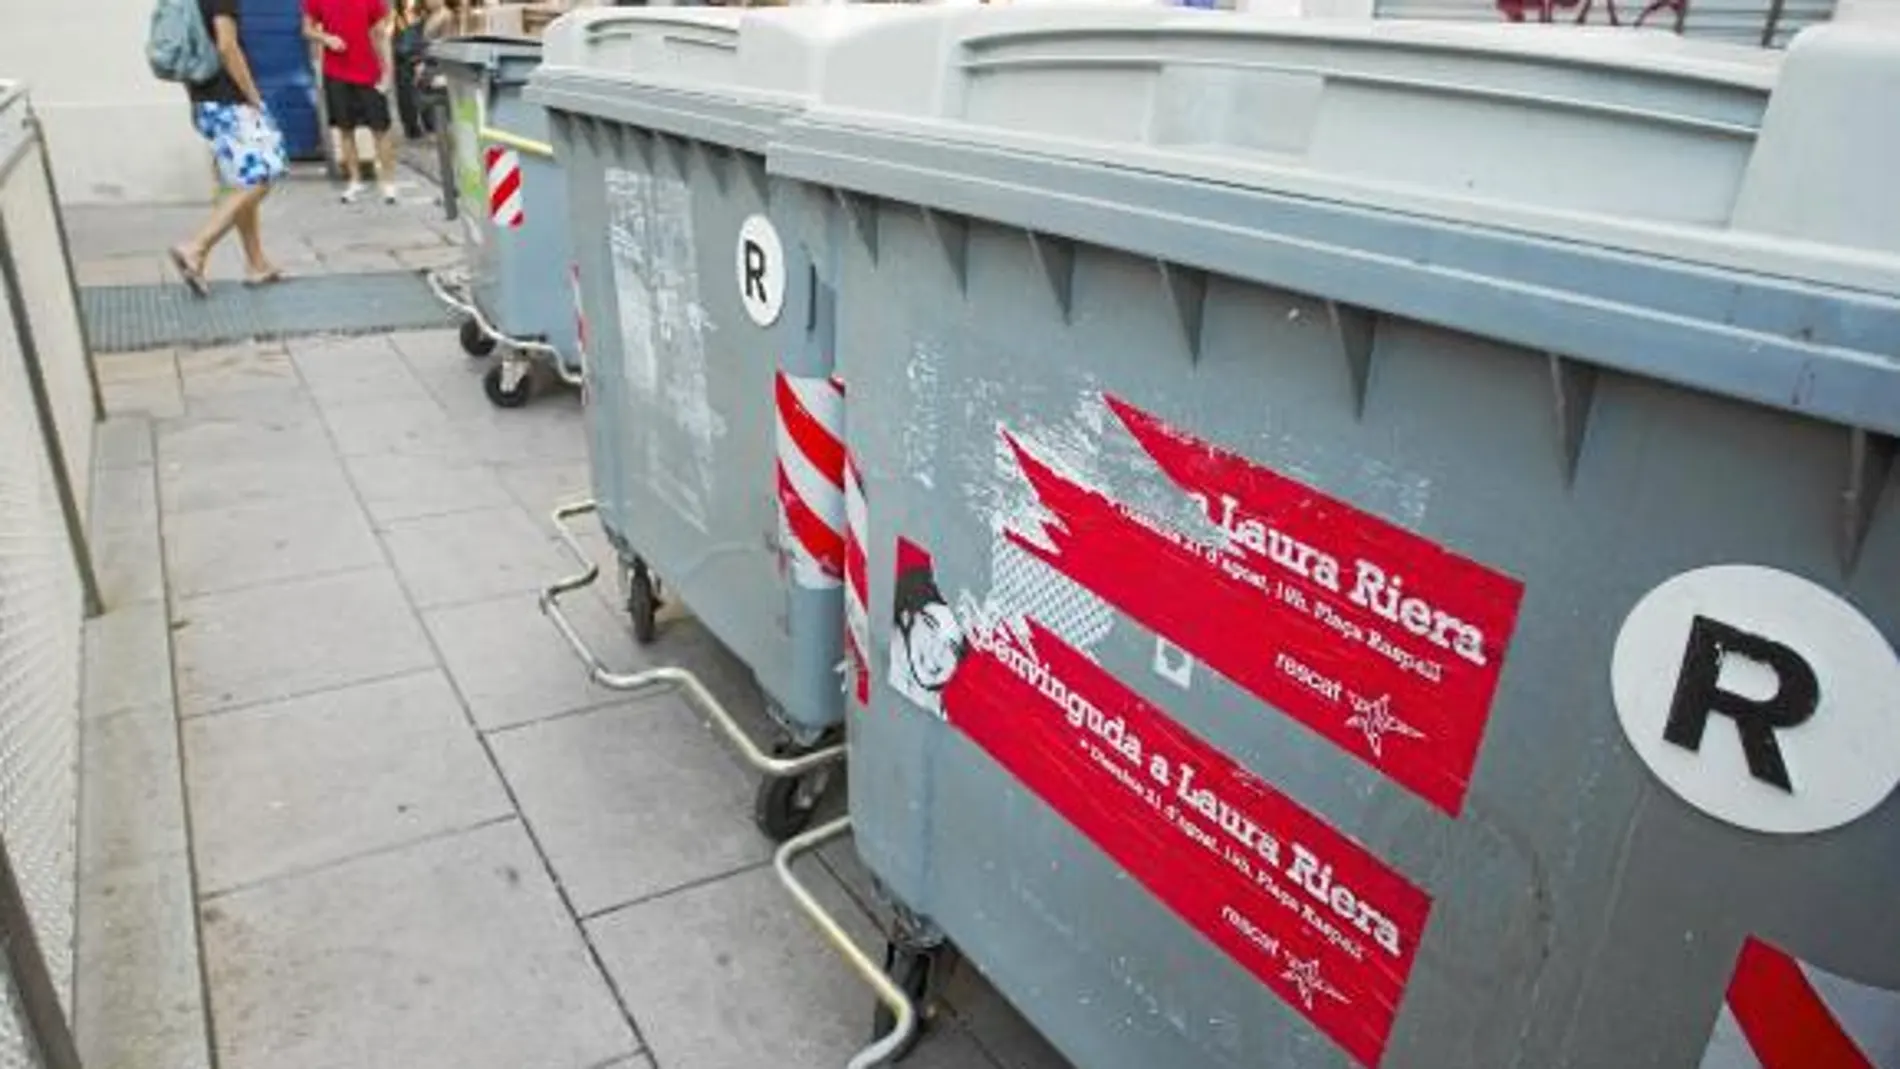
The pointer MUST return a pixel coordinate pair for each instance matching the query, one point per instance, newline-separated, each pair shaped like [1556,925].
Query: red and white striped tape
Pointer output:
[504,187]
[1782,1013]
[580,313]
[857,600]
[811,476]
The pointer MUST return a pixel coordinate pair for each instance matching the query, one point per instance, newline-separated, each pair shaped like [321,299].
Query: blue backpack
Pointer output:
[179,47]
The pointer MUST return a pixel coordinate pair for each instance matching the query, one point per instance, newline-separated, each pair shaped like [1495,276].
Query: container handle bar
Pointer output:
[665,677]
[881,1050]
[449,288]
[516,141]
[619,27]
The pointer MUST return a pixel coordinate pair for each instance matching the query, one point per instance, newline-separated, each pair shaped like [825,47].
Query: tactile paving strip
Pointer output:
[124,318]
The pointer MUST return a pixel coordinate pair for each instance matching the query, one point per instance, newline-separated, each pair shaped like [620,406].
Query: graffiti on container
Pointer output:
[471,177]
[1664,13]
[663,331]
[1385,643]
[1329,928]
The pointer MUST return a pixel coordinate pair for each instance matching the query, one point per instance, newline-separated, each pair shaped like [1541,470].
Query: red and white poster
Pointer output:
[1383,642]
[1782,1013]
[1313,915]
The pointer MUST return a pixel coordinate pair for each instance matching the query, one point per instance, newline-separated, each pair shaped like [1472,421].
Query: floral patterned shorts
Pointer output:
[246,141]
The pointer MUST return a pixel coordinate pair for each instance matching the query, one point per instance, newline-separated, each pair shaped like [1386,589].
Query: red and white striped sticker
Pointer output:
[504,187]
[1782,1013]
[857,614]
[580,314]
[811,476]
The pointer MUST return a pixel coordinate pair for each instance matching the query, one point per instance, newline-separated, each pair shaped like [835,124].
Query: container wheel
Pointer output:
[643,602]
[498,392]
[474,341]
[784,805]
[911,968]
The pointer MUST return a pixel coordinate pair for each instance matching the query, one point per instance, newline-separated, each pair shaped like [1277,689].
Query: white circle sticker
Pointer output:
[1760,698]
[761,261]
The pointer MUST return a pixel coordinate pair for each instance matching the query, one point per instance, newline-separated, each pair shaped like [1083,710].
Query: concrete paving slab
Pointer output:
[428,348]
[133,810]
[359,261]
[230,429]
[280,641]
[397,487]
[138,269]
[454,953]
[412,426]
[122,442]
[472,556]
[549,430]
[143,365]
[430,258]
[240,368]
[510,665]
[254,480]
[250,406]
[156,398]
[124,497]
[631,801]
[539,488]
[289,786]
[730,975]
[457,387]
[128,658]
[100,230]
[138,998]
[229,549]
[126,563]
[377,229]
[354,370]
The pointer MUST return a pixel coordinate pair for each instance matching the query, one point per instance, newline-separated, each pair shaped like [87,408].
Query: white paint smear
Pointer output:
[663,329]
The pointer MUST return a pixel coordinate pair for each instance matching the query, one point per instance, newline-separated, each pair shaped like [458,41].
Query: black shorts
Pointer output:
[353,107]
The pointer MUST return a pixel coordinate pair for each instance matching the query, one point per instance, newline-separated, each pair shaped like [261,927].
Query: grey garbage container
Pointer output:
[1381,541]
[515,293]
[714,415]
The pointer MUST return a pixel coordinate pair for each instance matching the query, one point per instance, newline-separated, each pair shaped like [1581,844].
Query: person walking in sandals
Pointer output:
[229,113]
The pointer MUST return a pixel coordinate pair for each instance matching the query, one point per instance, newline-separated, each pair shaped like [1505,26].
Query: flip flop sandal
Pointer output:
[194,279]
[260,281]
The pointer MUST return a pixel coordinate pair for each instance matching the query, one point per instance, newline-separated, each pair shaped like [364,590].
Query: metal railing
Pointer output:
[49,403]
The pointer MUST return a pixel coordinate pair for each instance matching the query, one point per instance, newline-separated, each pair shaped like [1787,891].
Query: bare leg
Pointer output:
[250,232]
[346,152]
[386,164]
[191,255]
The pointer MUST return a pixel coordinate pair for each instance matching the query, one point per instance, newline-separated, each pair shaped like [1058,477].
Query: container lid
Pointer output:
[485,49]
[1714,214]
[724,74]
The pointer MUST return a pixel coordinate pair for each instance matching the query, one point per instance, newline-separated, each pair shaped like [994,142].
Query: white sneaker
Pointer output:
[351,192]
[389,194]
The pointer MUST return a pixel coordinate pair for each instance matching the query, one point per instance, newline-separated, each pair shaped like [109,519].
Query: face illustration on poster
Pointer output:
[927,644]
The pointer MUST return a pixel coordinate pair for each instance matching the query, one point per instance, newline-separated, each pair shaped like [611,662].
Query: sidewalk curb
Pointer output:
[139,994]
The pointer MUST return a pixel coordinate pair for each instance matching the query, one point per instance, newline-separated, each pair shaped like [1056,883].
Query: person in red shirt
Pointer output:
[357,68]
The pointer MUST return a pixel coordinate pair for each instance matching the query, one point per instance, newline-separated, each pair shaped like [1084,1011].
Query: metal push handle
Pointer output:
[515,141]
[903,1010]
[881,1050]
[447,284]
[664,677]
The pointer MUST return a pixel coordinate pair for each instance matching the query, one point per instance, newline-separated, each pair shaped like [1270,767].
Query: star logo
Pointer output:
[1375,721]
[1304,975]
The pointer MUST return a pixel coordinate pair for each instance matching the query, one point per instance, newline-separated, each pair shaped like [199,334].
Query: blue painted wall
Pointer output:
[280,61]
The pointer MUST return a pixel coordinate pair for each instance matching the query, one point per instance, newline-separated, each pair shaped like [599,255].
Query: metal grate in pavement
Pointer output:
[123,318]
